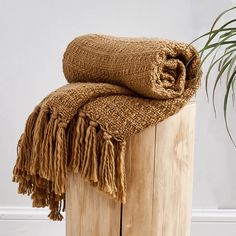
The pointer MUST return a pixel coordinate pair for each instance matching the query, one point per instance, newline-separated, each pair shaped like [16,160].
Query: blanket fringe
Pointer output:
[38,137]
[50,147]
[107,167]
[89,169]
[24,147]
[46,165]
[55,207]
[121,176]
[60,159]
[78,143]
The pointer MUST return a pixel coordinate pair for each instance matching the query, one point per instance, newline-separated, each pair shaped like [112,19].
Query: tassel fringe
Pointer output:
[121,176]
[78,143]
[90,166]
[50,146]
[107,167]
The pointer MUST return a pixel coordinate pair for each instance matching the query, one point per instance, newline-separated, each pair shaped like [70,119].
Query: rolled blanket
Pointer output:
[153,68]
[117,87]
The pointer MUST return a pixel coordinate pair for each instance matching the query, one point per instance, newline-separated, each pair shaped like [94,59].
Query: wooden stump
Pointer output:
[159,166]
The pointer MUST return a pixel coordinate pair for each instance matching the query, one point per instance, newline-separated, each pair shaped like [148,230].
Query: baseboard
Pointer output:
[217,222]
[26,221]
[24,213]
[198,215]
[214,215]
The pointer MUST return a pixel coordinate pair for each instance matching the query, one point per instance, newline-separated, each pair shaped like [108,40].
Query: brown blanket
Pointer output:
[117,87]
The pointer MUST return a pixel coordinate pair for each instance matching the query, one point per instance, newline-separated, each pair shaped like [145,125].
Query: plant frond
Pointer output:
[232,77]
[220,50]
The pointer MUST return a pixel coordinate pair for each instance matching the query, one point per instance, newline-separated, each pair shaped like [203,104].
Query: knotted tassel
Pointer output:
[48,148]
[20,162]
[38,137]
[24,147]
[52,169]
[106,180]
[90,164]
[121,173]
[55,207]
[60,159]
[55,215]
[70,141]
[78,150]
[22,188]
[39,197]
[25,181]
[31,121]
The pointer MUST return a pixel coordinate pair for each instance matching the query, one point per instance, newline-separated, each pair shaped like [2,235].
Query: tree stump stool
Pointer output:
[159,182]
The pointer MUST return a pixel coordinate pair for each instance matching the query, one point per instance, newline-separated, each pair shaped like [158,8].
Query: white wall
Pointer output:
[33,37]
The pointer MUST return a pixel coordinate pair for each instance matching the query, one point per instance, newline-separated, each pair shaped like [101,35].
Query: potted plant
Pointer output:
[220,51]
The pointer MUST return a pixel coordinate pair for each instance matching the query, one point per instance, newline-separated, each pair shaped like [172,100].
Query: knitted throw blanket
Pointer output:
[117,87]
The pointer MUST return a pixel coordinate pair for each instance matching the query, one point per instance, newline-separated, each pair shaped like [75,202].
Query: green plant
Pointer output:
[220,49]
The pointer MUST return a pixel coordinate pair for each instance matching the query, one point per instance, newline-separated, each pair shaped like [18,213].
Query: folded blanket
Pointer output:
[117,87]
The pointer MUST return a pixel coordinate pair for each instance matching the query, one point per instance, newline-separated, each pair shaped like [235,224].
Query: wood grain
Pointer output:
[137,212]
[159,166]
[172,193]
[160,172]
[88,211]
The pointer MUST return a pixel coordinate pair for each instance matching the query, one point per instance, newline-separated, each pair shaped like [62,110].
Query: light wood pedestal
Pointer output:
[159,198]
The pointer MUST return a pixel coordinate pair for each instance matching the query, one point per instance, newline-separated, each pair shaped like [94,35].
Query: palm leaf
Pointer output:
[220,48]
[232,78]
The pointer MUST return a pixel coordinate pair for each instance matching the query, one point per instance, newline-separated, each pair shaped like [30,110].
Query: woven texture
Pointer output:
[117,87]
